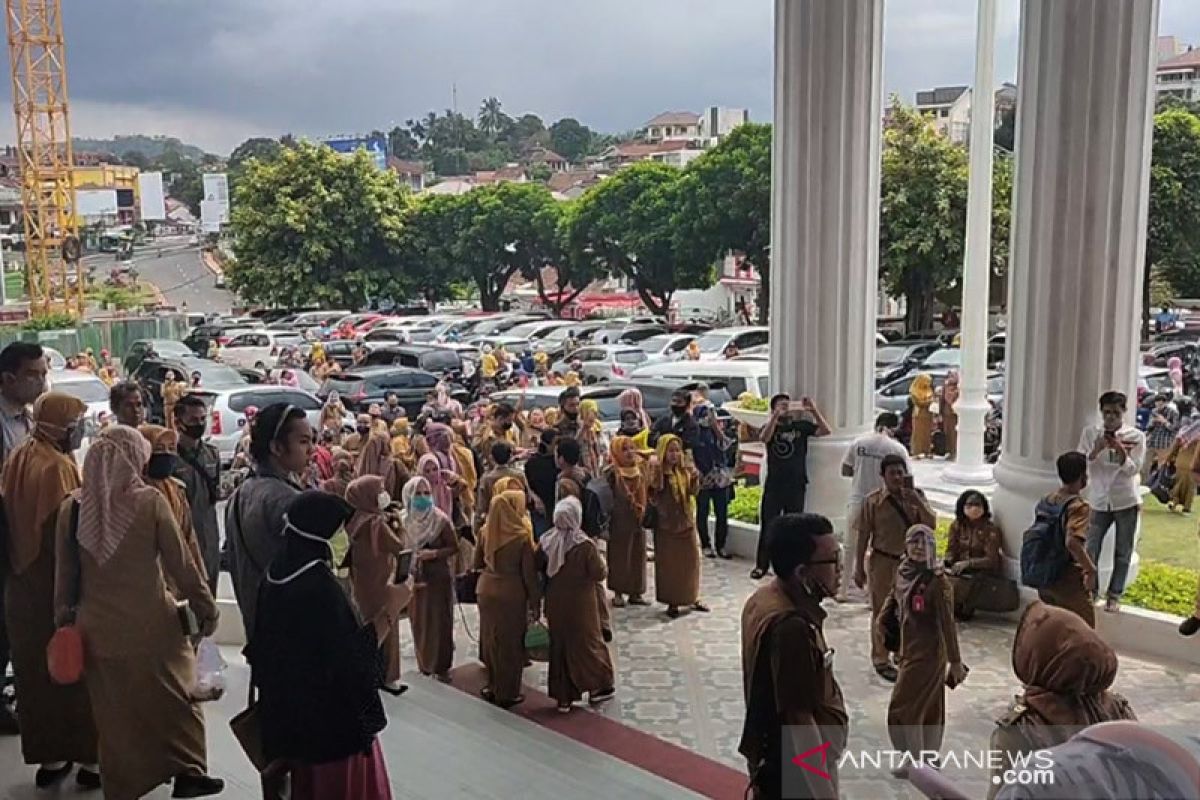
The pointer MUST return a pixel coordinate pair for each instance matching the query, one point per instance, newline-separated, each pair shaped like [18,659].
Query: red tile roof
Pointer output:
[1189,59]
[675,118]
[402,167]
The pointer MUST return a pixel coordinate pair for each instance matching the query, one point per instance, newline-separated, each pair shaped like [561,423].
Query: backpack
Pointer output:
[1044,555]
[597,507]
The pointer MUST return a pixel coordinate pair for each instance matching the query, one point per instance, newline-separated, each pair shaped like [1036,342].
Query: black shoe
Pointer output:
[888,673]
[1189,626]
[724,555]
[672,612]
[756,573]
[45,778]
[87,780]
[395,691]
[606,634]
[197,786]
[698,606]
[604,695]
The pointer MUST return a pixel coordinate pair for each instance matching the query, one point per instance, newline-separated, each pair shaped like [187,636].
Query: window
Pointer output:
[245,340]
[678,345]
[630,357]
[752,339]
[423,380]
[398,380]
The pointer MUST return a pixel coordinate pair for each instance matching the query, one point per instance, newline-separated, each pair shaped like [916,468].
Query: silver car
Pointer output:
[227,412]
[604,362]
[894,396]
[665,346]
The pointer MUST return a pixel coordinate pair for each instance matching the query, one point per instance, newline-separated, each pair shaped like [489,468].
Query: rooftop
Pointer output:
[1182,61]
[403,167]
[675,118]
[941,95]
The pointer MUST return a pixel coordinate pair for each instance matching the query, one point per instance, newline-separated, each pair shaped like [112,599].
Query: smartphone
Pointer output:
[908,482]
[403,564]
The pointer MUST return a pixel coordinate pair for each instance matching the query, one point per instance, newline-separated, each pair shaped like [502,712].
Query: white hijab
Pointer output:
[566,533]
[420,527]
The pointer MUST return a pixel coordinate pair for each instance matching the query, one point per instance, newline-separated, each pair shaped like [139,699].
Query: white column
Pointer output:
[825,223]
[1080,197]
[973,405]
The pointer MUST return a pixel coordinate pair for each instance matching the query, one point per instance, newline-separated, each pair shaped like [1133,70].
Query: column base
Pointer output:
[970,475]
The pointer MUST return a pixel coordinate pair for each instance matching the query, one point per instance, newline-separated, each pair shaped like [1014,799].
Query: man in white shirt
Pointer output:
[1115,453]
[862,465]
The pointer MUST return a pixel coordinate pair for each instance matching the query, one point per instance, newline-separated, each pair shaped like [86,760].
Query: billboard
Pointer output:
[376,147]
[150,190]
[95,203]
[214,208]
[216,187]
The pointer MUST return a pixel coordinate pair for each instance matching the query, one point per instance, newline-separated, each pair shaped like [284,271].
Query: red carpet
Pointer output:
[668,761]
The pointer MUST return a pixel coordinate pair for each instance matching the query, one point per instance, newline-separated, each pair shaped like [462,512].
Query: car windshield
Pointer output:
[168,347]
[889,355]
[345,385]
[943,358]
[89,391]
[213,374]
[655,344]
[713,342]
[1159,382]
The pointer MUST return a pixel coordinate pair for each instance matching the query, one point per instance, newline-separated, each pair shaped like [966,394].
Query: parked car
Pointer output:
[735,376]
[260,349]
[639,333]
[1158,354]
[441,361]
[341,352]
[213,377]
[896,360]
[1156,380]
[713,344]
[167,348]
[227,412]
[665,346]
[537,329]
[381,335]
[950,358]
[54,359]
[220,332]
[603,362]
[362,386]
[894,396]
[86,387]
[503,323]
[272,377]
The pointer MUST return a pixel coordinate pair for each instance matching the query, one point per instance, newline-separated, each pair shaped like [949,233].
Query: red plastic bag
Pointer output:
[64,655]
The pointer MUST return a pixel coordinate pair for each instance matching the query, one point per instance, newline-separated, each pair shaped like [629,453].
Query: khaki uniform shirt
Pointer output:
[883,524]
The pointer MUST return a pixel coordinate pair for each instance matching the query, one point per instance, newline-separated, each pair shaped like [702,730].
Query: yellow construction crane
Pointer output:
[39,77]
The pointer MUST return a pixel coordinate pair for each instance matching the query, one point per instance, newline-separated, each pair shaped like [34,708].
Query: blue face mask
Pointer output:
[422,503]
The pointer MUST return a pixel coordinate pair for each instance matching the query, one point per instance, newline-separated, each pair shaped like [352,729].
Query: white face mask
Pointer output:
[385,500]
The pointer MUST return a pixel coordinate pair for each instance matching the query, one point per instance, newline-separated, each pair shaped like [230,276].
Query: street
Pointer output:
[179,273]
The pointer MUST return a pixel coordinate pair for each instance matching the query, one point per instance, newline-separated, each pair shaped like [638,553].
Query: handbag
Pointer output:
[650,517]
[247,729]
[64,655]
[1162,481]
[466,587]
[537,642]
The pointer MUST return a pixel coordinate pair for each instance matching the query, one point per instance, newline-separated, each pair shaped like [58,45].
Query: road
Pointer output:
[180,274]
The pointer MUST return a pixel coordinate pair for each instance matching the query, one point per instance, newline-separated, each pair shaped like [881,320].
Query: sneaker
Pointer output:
[87,779]
[1112,605]
[756,574]
[197,786]
[710,553]
[887,672]
[1189,626]
[45,777]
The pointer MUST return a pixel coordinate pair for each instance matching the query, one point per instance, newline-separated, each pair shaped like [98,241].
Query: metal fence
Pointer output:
[113,335]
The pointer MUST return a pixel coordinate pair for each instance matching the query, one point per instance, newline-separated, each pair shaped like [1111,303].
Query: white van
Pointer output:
[735,376]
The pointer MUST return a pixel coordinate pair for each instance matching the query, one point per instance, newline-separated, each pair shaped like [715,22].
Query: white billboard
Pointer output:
[216,187]
[150,193]
[213,215]
[95,203]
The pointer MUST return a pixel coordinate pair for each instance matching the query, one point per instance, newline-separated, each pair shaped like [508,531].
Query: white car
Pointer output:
[86,387]
[260,349]
[735,376]
[665,347]
[713,343]
[227,412]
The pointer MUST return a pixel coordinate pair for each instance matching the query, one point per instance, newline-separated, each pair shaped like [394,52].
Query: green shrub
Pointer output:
[50,322]
[744,507]
[1162,587]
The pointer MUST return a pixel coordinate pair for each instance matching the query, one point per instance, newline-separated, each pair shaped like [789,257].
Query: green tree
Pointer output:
[316,226]
[136,158]
[726,202]
[428,247]
[528,132]
[575,271]
[492,119]
[260,147]
[187,186]
[570,139]
[402,143]
[626,225]
[1173,232]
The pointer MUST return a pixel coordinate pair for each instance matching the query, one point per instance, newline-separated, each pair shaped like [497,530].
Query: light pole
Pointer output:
[973,405]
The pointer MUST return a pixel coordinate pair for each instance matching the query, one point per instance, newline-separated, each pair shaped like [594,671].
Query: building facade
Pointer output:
[716,123]
[673,126]
[1179,76]
[950,107]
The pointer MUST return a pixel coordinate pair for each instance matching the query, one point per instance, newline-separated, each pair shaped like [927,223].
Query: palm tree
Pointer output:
[491,117]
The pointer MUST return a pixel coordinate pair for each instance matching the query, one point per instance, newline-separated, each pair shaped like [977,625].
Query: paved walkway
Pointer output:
[681,681]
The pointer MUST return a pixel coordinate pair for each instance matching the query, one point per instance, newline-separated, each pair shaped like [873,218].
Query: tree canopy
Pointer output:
[1173,230]
[570,139]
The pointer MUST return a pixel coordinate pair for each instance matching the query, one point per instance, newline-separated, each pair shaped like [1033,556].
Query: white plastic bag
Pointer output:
[210,672]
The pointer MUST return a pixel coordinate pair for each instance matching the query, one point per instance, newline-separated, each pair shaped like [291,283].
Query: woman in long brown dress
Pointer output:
[429,534]
[373,551]
[376,459]
[948,411]
[160,473]
[973,556]
[56,721]
[343,473]
[140,665]
[1183,456]
[172,391]
[508,594]
[923,602]
[921,395]
[579,661]
[626,537]
[672,491]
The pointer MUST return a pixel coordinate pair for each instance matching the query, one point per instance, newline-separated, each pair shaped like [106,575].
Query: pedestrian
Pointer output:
[882,525]
[23,369]
[316,667]
[1067,671]
[591,437]
[568,409]
[392,410]
[1074,588]
[1115,453]
[430,535]
[921,394]
[198,467]
[128,404]
[1182,456]
[579,659]
[332,414]
[631,400]
[541,472]
[160,474]
[922,605]
[531,434]
[374,548]
[1160,434]
[785,436]
[376,459]
[679,422]
[974,558]
[672,491]
[862,466]
[794,705]
[322,460]
[1175,372]
[355,442]
[281,446]
[141,666]
[626,551]
[715,455]
[172,391]
[56,723]
[402,447]
[502,454]
[693,351]
[431,470]
[948,411]
[572,477]
[502,427]
[508,594]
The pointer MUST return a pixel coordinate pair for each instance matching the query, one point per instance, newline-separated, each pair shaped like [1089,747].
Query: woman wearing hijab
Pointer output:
[1067,670]
[627,538]
[343,473]
[402,447]
[172,390]
[373,550]
[531,434]
[974,559]
[376,459]
[923,602]
[1175,371]
[430,468]
[468,473]
[921,395]
[316,666]
[333,413]
[508,593]
[591,437]
[429,534]
[631,400]
[160,473]
[56,721]
[948,411]
[140,665]
[1183,456]
[579,661]
[672,489]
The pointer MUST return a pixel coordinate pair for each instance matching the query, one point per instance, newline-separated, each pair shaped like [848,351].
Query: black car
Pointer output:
[361,387]
[439,360]
[201,335]
[899,358]
[152,371]
[341,352]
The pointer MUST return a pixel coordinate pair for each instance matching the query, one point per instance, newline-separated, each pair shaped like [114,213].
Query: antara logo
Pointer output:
[821,751]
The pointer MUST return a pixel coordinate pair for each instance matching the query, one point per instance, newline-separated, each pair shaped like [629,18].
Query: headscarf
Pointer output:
[677,476]
[420,527]
[631,400]
[572,379]
[430,468]
[950,391]
[552,417]
[41,475]
[564,535]
[507,484]
[590,408]
[112,485]
[922,389]
[911,573]
[623,455]
[537,419]
[376,457]
[1175,369]
[363,495]
[401,444]
[1066,667]
[444,402]
[311,520]
[343,472]
[507,521]
[164,440]
[441,439]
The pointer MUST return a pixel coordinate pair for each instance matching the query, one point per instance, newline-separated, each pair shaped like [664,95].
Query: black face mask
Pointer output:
[193,431]
[571,415]
[363,430]
[162,465]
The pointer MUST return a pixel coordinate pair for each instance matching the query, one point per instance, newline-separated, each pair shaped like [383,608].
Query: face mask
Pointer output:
[363,430]
[571,415]
[288,526]
[422,503]
[75,437]
[194,431]
[162,465]
[973,512]
[679,411]
[385,500]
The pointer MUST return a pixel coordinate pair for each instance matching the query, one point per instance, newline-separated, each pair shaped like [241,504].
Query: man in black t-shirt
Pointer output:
[786,437]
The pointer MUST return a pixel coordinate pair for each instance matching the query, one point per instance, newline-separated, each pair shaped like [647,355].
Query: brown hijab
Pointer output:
[1066,667]
[163,440]
[38,476]
[507,521]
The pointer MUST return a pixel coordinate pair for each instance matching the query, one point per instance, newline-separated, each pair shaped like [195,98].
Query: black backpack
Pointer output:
[1044,555]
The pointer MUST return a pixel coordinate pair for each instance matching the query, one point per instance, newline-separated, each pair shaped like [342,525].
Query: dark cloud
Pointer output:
[216,71]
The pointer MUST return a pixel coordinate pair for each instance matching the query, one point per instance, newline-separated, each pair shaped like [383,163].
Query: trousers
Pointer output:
[1125,522]
[718,501]
[776,500]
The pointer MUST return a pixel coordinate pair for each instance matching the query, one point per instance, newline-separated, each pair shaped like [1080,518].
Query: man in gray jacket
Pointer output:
[199,469]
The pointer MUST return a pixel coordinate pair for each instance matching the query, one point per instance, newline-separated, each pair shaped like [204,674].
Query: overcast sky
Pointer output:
[214,72]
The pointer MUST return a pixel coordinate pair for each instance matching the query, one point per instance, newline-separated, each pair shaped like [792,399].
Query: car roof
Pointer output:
[714,368]
[371,372]
[72,376]
[611,347]
[736,329]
